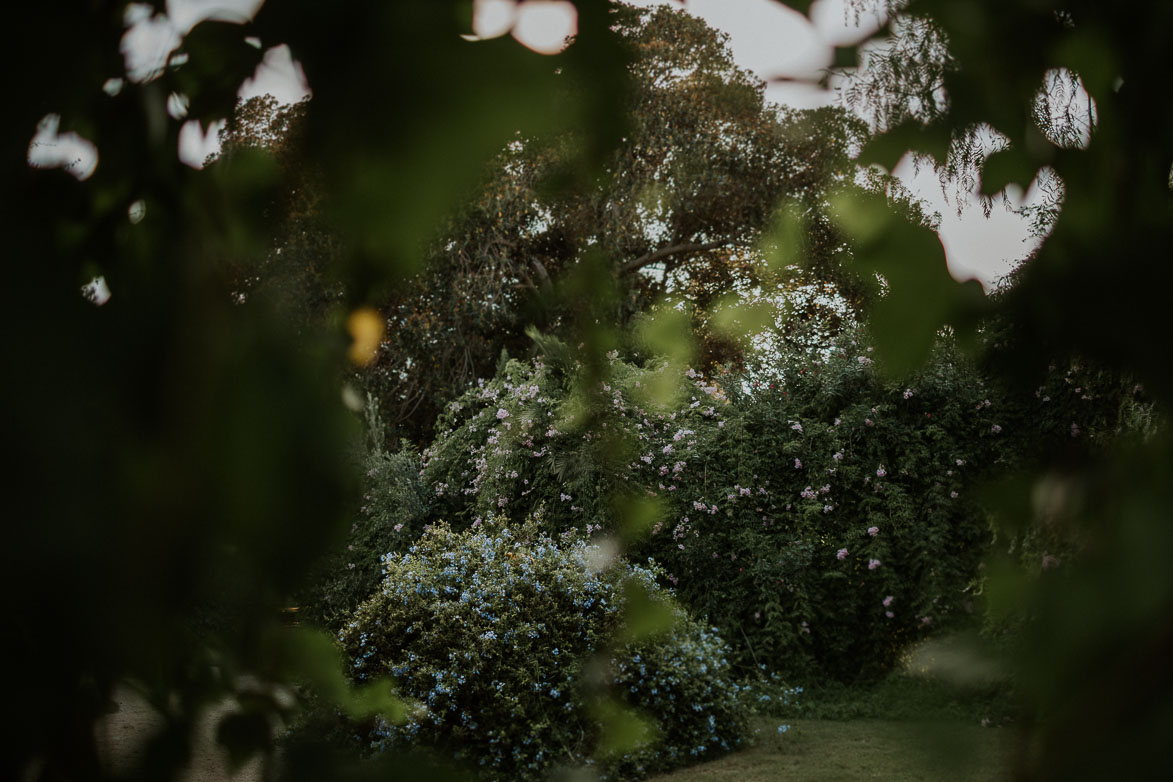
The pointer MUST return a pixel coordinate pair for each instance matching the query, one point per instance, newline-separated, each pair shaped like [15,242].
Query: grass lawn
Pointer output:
[835,751]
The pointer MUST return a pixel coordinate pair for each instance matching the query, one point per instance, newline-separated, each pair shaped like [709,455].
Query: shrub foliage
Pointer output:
[491,632]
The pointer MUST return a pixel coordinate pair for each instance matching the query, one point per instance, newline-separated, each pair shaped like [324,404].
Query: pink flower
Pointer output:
[873,564]
[873,531]
[889,614]
[881,472]
[798,464]
[502,413]
[888,600]
[841,554]
[996,429]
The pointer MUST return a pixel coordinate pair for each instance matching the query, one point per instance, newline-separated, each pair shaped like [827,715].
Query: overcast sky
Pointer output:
[765,37]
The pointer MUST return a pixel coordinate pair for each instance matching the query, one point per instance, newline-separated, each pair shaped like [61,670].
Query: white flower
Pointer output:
[880,471]
[502,413]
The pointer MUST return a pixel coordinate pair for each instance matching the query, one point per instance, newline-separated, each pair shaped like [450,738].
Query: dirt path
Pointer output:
[123,736]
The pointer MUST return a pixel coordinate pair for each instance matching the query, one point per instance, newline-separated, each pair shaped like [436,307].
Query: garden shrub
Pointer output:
[490,631]
[821,522]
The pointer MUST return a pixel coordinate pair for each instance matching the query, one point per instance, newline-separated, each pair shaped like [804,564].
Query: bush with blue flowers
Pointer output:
[505,638]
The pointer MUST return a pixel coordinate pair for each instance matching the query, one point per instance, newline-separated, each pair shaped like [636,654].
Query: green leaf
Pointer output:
[302,654]
[920,296]
[845,57]
[784,243]
[638,514]
[646,616]
[218,63]
[737,319]
[1005,167]
[887,148]
[622,729]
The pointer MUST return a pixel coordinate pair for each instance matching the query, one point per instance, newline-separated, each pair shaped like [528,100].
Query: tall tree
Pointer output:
[678,212]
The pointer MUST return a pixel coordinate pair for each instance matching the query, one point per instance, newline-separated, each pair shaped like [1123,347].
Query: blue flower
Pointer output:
[783,728]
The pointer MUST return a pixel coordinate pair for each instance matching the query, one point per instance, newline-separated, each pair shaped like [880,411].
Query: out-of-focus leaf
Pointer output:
[1086,52]
[218,62]
[638,514]
[735,318]
[1005,167]
[667,334]
[887,148]
[311,656]
[845,57]
[375,698]
[645,615]
[919,297]
[784,243]
[621,729]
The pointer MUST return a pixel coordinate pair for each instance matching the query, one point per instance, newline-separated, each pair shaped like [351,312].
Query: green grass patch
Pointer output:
[838,751]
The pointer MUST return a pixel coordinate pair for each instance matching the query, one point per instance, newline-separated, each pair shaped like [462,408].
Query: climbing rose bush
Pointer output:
[490,632]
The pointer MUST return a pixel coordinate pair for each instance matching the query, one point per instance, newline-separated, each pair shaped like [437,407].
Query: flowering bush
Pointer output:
[792,510]
[490,631]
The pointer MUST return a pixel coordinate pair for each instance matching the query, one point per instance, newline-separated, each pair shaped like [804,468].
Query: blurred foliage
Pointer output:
[183,451]
[1071,91]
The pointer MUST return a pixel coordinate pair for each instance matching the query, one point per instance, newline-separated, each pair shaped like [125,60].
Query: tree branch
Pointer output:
[664,252]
